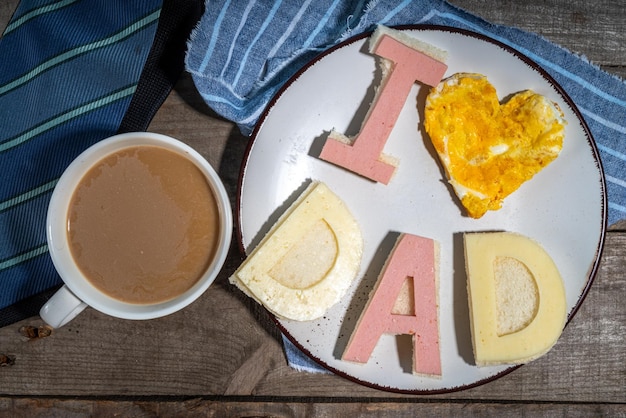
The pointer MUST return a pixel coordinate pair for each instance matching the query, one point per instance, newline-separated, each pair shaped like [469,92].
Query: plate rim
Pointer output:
[594,268]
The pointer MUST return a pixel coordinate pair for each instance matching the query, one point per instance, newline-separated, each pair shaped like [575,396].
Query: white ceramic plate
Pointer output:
[563,207]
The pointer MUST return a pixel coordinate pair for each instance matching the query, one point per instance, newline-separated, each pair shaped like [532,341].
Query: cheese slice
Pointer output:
[516,298]
[308,260]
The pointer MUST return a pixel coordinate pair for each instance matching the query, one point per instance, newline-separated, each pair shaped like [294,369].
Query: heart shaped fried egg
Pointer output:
[489,149]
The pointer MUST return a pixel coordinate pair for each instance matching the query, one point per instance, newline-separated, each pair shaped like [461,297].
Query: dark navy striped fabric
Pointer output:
[243,52]
[68,72]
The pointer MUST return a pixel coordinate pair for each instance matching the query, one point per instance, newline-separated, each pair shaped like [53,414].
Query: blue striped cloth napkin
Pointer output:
[241,53]
[72,72]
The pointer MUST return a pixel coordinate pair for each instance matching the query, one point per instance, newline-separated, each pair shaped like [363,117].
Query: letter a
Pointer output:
[413,257]
[363,153]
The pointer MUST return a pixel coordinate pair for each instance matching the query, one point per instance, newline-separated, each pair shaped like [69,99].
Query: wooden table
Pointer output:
[222,356]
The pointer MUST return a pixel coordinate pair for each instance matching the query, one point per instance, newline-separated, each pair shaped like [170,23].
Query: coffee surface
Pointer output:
[143,225]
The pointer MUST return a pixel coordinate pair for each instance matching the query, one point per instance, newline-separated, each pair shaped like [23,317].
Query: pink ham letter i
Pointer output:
[413,257]
[363,156]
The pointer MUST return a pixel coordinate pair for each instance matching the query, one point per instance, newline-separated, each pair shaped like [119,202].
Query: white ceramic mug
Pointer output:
[77,292]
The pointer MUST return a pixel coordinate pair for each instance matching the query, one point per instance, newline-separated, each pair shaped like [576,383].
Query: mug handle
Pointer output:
[61,308]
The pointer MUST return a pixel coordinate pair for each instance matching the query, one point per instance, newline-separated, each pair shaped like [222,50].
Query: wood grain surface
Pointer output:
[222,356]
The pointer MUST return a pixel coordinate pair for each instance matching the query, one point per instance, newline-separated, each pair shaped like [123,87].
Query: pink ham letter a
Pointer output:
[413,257]
[363,155]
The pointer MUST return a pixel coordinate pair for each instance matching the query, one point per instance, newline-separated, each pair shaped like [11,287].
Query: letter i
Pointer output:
[362,154]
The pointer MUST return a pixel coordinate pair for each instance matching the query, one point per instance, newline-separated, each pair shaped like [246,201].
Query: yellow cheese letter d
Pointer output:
[482,252]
